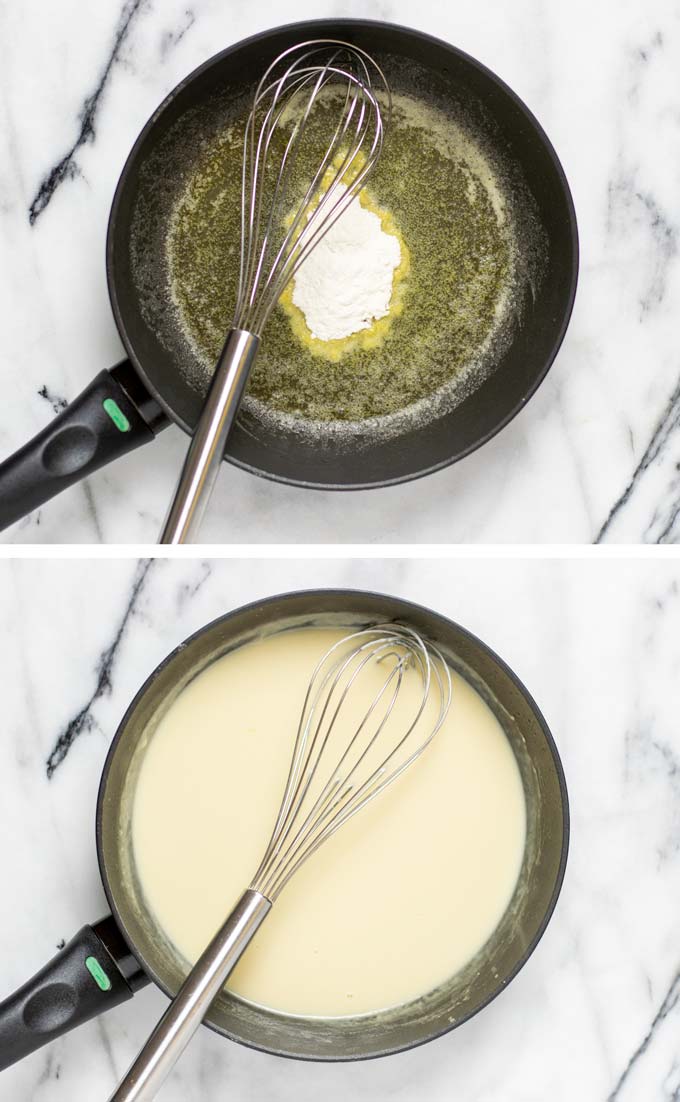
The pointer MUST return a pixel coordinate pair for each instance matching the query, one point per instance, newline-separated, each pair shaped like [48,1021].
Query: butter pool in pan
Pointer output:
[371,921]
[468,245]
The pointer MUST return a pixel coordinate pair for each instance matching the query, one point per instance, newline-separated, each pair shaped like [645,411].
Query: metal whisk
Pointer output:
[352,742]
[276,240]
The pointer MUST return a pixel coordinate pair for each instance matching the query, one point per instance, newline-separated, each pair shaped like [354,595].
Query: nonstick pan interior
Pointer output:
[411,1024]
[159,166]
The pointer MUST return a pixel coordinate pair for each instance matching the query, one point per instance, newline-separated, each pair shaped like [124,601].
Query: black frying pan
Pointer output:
[127,406]
[126,950]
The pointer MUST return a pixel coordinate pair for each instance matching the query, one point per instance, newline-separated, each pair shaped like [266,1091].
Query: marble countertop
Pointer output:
[595,1013]
[595,454]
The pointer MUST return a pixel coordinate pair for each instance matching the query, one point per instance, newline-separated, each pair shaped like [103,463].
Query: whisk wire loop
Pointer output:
[319,220]
[256,154]
[323,808]
[275,240]
[300,752]
[279,271]
[326,786]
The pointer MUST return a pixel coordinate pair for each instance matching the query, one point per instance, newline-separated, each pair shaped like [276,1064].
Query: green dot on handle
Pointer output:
[98,974]
[116,414]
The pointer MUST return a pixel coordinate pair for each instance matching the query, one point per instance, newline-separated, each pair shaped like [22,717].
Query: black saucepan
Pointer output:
[105,963]
[127,406]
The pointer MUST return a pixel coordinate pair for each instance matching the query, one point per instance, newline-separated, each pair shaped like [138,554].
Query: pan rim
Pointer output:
[319,24]
[409,606]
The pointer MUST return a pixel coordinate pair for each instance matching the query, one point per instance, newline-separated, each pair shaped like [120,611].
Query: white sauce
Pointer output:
[397,901]
[345,284]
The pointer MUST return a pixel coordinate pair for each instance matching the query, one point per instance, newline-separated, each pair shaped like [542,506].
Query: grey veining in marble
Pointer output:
[594,456]
[594,1015]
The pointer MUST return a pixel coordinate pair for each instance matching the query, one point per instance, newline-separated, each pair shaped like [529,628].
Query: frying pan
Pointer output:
[128,405]
[105,963]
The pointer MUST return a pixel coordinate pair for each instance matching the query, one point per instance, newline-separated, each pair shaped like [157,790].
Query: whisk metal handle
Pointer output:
[191,1004]
[206,451]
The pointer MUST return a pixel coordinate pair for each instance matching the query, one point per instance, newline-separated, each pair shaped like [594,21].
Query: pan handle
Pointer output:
[94,972]
[112,416]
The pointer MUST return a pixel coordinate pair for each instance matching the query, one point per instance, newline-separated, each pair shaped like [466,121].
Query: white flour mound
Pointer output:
[345,284]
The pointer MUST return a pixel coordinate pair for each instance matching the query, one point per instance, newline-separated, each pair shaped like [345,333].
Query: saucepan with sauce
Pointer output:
[408,922]
[484,255]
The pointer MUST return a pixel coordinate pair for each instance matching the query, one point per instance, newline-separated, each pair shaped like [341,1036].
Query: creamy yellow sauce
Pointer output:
[400,899]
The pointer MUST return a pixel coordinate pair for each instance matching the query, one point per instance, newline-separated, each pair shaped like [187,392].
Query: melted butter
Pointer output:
[435,187]
[392,905]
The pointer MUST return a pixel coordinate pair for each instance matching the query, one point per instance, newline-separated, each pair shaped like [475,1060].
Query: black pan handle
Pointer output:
[112,416]
[94,972]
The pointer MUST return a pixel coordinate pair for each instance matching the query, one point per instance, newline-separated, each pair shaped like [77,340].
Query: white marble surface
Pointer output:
[596,452]
[594,1015]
